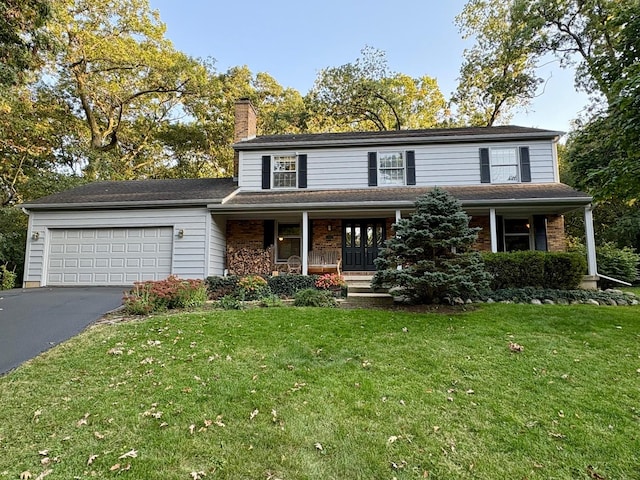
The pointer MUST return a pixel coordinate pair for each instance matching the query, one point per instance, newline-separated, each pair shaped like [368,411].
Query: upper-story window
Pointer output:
[392,168]
[288,170]
[285,169]
[505,165]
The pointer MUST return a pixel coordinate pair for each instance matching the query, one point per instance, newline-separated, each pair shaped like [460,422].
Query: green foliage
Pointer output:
[219,287]
[535,269]
[432,249]
[526,294]
[253,287]
[7,278]
[287,285]
[232,302]
[365,95]
[310,297]
[271,301]
[156,296]
[24,38]
[615,262]
[498,73]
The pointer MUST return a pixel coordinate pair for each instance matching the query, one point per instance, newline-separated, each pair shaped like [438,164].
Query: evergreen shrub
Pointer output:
[558,270]
[289,284]
[219,287]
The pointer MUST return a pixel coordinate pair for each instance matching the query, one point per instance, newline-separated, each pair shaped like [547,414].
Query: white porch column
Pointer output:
[398,215]
[493,227]
[305,243]
[590,241]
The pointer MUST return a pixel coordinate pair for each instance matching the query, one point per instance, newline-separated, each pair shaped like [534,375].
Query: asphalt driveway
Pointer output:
[34,320]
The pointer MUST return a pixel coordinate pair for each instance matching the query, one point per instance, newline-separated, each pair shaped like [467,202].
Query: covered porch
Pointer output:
[345,229]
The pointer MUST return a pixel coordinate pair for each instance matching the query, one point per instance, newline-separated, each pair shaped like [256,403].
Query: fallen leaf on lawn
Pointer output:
[91,459]
[219,421]
[470,392]
[556,435]
[98,435]
[318,446]
[36,414]
[198,475]
[130,454]
[115,351]
[228,358]
[83,420]
[514,347]
[274,415]
[392,439]
[45,461]
[192,428]
[208,423]
[147,361]
[405,329]
[436,428]
[593,474]
[253,414]
[164,424]
[26,475]
[44,474]
[115,467]
[44,453]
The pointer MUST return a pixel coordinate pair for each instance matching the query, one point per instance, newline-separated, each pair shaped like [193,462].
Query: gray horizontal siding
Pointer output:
[442,164]
[188,252]
[217,244]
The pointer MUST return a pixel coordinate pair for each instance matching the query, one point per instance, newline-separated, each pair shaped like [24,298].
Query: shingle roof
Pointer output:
[403,196]
[431,135]
[201,191]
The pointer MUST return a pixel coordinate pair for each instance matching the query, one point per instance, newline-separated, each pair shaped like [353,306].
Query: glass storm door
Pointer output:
[361,241]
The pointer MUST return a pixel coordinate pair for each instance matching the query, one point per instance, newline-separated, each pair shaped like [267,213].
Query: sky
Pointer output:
[294,40]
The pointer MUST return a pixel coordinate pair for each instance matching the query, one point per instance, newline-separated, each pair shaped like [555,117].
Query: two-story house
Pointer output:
[336,194]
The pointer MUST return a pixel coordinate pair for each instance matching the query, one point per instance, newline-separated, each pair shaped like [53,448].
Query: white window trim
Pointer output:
[516,150]
[404,168]
[530,235]
[273,172]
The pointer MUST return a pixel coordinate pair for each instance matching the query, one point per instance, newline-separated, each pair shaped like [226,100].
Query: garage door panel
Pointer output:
[109,256]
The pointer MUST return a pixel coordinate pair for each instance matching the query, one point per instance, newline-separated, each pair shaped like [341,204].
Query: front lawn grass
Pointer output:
[334,394]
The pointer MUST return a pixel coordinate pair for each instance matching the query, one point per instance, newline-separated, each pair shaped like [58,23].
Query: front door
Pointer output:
[361,241]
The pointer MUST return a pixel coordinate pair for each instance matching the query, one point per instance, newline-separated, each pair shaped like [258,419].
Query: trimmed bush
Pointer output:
[620,263]
[311,297]
[535,269]
[288,285]
[219,287]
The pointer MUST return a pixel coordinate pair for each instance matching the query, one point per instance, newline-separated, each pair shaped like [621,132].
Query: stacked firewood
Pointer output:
[248,261]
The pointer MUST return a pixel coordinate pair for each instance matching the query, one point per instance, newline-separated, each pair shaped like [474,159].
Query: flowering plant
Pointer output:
[253,287]
[330,280]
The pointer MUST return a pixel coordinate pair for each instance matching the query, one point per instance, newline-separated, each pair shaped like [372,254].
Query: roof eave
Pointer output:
[121,204]
[412,140]
[564,202]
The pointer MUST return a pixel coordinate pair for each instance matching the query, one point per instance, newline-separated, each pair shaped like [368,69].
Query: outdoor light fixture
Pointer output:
[180,233]
[35,235]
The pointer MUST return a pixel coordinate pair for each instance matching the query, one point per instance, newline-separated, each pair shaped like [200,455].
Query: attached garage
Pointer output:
[109,256]
[118,233]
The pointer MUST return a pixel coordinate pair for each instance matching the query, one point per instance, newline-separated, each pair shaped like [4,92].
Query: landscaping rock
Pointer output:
[622,301]
[468,301]
[591,301]
[535,301]
[458,301]
[562,301]
[612,302]
[491,300]
[575,302]
[634,302]
[548,301]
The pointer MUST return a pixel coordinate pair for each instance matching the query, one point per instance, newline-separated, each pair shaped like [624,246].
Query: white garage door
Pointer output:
[109,256]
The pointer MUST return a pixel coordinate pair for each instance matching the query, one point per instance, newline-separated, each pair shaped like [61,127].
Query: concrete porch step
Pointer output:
[369,299]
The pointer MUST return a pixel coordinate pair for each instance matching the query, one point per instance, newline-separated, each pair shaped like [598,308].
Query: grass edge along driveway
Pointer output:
[321,393]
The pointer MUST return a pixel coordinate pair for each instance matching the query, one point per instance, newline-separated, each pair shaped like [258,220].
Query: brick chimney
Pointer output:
[245,127]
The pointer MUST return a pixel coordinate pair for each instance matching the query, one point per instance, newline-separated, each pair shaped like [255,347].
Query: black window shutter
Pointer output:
[373,169]
[540,232]
[302,171]
[411,167]
[525,165]
[266,172]
[500,233]
[485,169]
[269,233]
